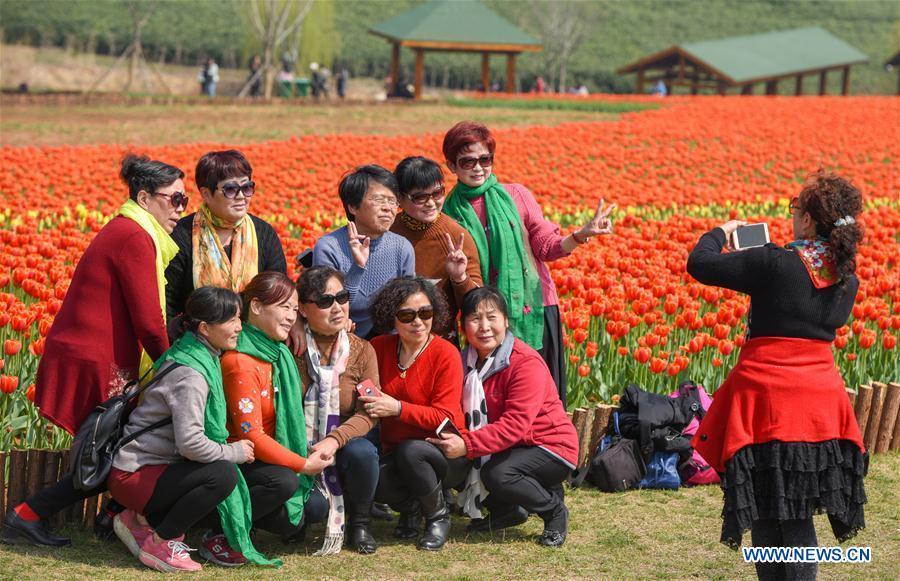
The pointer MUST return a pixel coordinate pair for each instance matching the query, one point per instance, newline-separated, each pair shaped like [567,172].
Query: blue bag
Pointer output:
[662,472]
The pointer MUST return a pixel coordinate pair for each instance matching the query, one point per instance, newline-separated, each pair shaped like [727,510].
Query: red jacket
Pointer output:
[523,407]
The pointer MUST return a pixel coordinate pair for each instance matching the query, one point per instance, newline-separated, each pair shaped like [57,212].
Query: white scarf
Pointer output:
[322,410]
[474,404]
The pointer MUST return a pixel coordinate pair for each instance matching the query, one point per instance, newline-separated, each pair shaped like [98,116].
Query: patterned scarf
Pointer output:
[235,511]
[166,249]
[474,405]
[504,252]
[322,408]
[412,223]
[212,265]
[816,256]
[290,430]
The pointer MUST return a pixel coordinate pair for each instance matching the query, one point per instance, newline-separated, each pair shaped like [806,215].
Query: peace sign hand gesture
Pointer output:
[359,245]
[601,223]
[456,261]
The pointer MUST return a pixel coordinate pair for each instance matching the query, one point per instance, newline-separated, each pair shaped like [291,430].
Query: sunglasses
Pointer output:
[325,301]
[469,162]
[421,198]
[409,315]
[231,189]
[794,205]
[177,199]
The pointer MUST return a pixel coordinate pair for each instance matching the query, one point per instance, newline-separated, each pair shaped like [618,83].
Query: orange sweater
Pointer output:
[251,409]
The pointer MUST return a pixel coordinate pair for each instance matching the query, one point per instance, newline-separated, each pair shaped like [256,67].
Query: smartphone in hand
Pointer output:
[750,236]
[367,387]
[446,427]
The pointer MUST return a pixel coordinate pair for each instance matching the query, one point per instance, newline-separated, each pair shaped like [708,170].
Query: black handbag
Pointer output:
[100,435]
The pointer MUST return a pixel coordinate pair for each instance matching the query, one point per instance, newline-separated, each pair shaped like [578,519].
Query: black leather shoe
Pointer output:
[496,522]
[381,511]
[298,536]
[17,530]
[410,522]
[556,527]
[437,520]
[103,525]
[358,536]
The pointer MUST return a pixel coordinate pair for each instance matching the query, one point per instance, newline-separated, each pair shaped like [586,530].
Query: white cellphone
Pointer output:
[750,236]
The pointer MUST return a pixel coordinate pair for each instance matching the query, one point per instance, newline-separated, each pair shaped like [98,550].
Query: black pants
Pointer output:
[185,493]
[49,500]
[270,487]
[414,469]
[553,352]
[529,477]
[785,533]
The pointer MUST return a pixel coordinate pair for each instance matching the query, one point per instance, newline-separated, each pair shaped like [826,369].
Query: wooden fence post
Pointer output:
[889,413]
[580,419]
[2,482]
[601,419]
[852,395]
[863,403]
[18,477]
[35,478]
[871,433]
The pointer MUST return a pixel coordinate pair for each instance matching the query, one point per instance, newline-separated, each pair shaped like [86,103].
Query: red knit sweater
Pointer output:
[110,311]
[430,392]
[523,410]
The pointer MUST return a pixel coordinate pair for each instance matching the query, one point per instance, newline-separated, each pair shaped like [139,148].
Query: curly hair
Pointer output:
[384,305]
[827,197]
[312,282]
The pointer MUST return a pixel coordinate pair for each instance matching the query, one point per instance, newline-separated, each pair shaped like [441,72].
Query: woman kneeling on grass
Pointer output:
[517,431]
[173,475]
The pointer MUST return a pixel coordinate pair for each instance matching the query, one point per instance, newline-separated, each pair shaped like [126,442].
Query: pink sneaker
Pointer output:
[215,549]
[170,556]
[130,531]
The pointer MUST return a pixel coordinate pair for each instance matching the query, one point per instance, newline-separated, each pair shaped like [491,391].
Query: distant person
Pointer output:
[255,77]
[209,77]
[539,85]
[342,77]
[659,89]
[582,90]
[315,77]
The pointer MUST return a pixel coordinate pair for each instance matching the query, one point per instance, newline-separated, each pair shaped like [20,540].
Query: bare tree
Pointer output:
[275,21]
[563,25]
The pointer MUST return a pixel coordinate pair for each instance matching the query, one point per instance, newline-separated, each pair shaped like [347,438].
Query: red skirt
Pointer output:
[134,489]
[783,389]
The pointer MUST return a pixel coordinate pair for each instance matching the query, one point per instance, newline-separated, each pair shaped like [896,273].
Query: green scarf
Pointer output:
[235,511]
[290,424]
[504,252]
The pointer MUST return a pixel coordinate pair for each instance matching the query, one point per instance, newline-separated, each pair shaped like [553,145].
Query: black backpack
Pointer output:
[657,421]
[100,435]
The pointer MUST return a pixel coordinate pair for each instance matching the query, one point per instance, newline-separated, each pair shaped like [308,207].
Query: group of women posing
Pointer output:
[283,403]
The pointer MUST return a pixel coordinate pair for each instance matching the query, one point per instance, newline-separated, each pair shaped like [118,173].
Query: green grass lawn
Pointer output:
[593,106]
[638,534]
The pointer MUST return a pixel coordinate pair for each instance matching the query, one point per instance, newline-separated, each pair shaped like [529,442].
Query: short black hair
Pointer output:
[312,281]
[142,173]
[476,296]
[355,184]
[417,173]
[208,304]
[384,305]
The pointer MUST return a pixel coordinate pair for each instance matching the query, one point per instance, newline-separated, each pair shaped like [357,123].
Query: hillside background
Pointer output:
[182,32]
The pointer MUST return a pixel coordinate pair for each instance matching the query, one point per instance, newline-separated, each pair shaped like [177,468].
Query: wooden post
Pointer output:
[895,439]
[601,420]
[680,68]
[798,86]
[772,87]
[580,419]
[872,426]
[723,87]
[889,413]
[823,82]
[845,81]
[852,395]
[90,511]
[395,67]
[511,73]
[35,472]
[486,71]
[2,482]
[747,89]
[420,72]
[863,403]
[18,477]
[639,84]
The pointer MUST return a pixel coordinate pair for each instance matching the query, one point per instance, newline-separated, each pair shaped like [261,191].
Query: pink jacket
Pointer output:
[546,241]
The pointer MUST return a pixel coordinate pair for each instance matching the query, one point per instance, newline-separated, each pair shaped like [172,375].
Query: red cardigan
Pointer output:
[431,391]
[523,410]
[110,310]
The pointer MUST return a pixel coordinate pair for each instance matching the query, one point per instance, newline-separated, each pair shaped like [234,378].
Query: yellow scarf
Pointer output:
[212,265]
[166,249]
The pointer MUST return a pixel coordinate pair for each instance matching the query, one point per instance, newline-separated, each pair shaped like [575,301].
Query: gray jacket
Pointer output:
[181,394]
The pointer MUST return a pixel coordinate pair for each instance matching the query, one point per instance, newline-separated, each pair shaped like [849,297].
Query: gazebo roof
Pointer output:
[758,57]
[457,25]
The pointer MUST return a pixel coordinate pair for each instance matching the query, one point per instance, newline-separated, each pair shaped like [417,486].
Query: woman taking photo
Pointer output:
[173,475]
[421,381]
[334,364]
[265,406]
[781,427]
[222,244]
[514,241]
[516,419]
[444,252]
[112,311]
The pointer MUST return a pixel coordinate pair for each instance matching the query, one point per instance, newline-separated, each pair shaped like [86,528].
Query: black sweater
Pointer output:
[783,300]
[180,272]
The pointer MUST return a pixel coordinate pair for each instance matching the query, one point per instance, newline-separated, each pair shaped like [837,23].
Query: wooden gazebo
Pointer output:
[894,63]
[454,26]
[743,61]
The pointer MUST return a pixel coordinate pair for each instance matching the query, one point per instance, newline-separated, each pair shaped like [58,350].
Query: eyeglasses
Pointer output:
[231,189]
[421,198]
[794,205]
[325,301]
[177,199]
[409,315]
[383,201]
[469,162]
